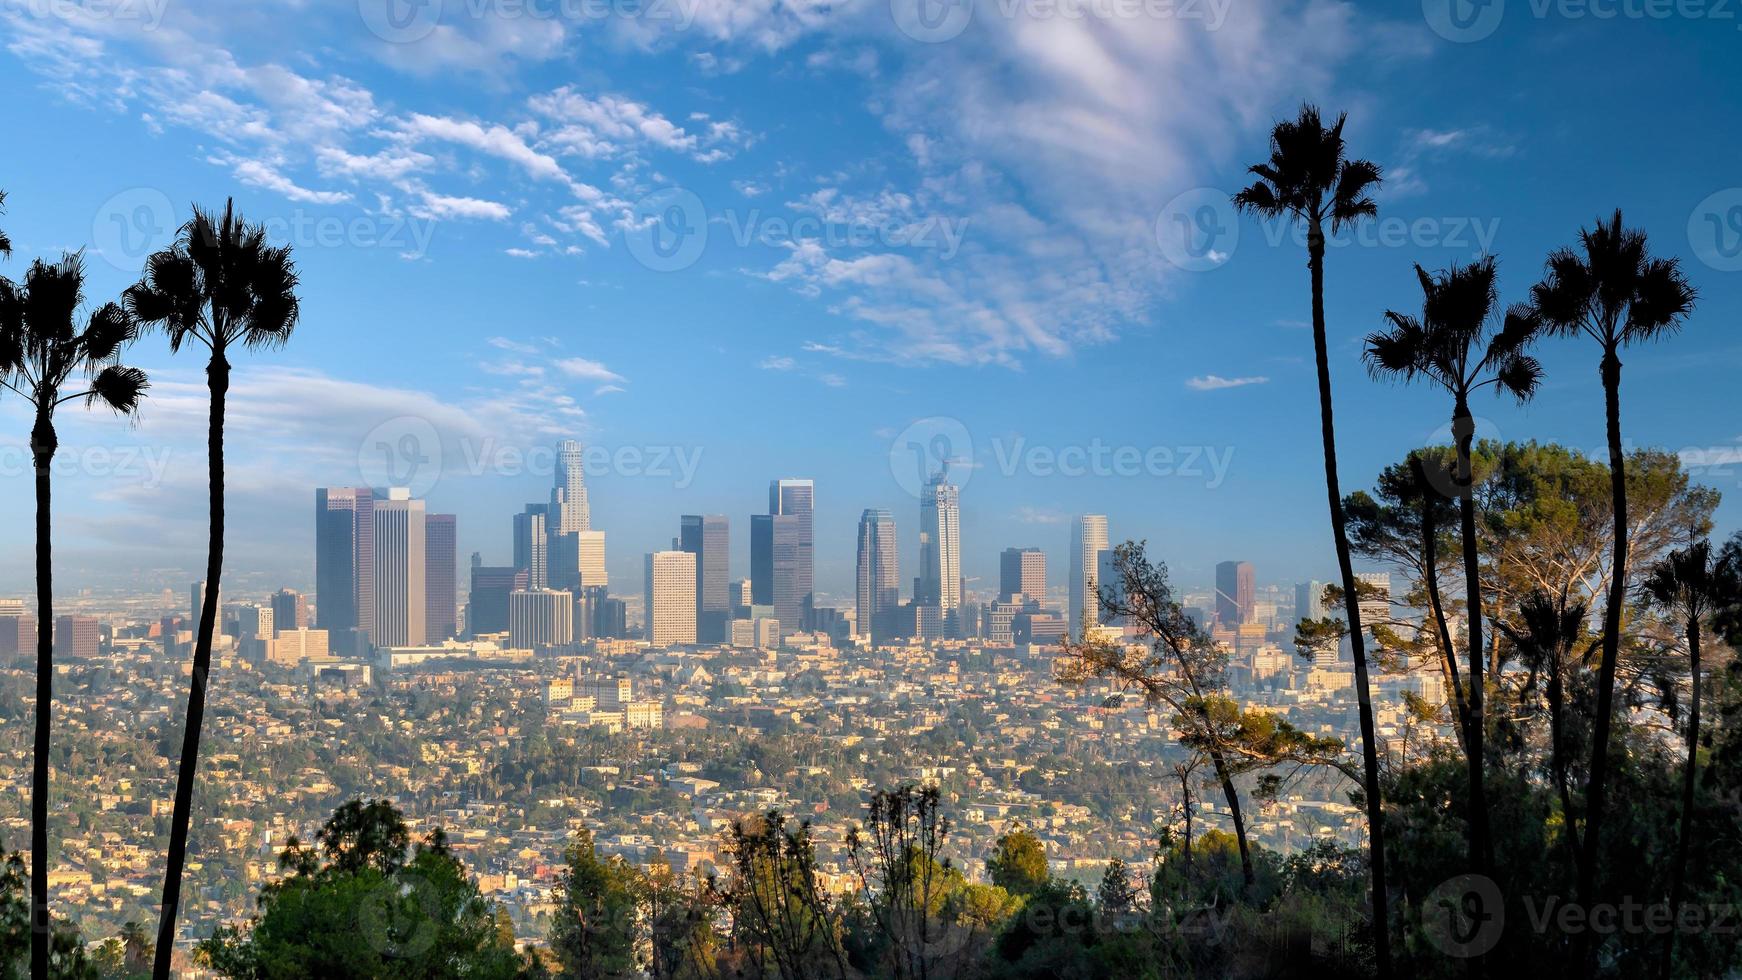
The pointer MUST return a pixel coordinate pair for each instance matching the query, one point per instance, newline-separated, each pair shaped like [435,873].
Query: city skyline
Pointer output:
[599,347]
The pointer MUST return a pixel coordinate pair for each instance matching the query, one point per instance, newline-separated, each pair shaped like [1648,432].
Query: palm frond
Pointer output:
[109,328]
[120,388]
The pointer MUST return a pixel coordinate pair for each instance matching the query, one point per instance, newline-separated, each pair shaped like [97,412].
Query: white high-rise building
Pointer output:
[591,549]
[1088,540]
[671,598]
[569,510]
[940,551]
[540,618]
[399,571]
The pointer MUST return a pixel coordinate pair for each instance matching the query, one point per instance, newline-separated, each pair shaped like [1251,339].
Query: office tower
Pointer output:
[940,551]
[671,598]
[739,593]
[532,544]
[292,646]
[590,558]
[440,544]
[708,538]
[196,595]
[1022,571]
[77,636]
[610,616]
[539,618]
[254,623]
[1110,582]
[1236,593]
[569,509]
[1374,592]
[487,603]
[776,568]
[344,558]
[878,579]
[1309,601]
[796,499]
[289,610]
[399,571]
[1088,540]
[17,631]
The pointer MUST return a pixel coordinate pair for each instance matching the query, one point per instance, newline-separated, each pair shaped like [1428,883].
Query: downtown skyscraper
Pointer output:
[1088,541]
[399,569]
[782,553]
[441,591]
[569,508]
[1236,593]
[671,598]
[344,558]
[940,552]
[708,538]
[878,578]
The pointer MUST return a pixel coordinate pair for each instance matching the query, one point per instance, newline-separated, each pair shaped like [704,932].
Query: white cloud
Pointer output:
[1215,382]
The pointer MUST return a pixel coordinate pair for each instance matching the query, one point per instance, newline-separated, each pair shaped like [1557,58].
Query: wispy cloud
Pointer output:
[1215,382]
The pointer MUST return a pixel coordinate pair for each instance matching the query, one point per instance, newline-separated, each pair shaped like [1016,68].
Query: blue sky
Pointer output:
[956,230]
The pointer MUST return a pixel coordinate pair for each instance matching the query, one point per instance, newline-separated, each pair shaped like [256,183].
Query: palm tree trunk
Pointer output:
[218,380]
[1594,799]
[1481,847]
[1352,609]
[42,446]
[1233,796]
[1430,551]
[1678,873]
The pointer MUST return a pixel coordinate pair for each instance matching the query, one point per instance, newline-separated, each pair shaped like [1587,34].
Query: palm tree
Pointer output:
[5,243]
[1308,178]
[1456,345]
[1548,629]
[1690,585]
[42,349]
[136,944]
[1618,295]
[220,285]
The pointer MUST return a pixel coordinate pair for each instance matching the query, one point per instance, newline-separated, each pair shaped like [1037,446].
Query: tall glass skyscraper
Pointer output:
[879,576]
[794,589]
[940,551]
[344,558]
[1088,540]
[399,571]
[708,538]
[570,510]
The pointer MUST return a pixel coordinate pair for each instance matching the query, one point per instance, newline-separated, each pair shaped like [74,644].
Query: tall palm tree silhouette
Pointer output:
[1689,585]
[1546,631]
[1456,345]
[1618,295]
[1309,178]
[42,350]
[220,285]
